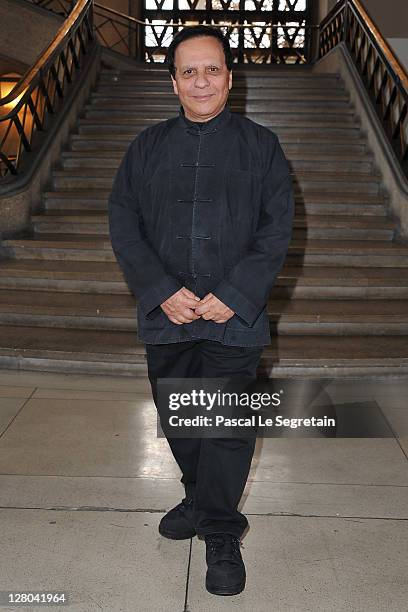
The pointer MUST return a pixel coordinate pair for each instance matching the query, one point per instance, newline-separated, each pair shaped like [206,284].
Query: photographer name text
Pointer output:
[251,421]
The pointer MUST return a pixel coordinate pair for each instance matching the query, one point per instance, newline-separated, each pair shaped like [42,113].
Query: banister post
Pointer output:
[346,21]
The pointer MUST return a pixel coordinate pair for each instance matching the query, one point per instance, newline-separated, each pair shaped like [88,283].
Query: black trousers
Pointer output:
[214,470]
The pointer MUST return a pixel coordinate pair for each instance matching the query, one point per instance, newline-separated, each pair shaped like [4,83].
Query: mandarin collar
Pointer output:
[212,125]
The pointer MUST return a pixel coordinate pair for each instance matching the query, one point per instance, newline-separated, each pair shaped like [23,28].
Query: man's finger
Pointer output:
[179,319]
[175,316]
[209,316]
[188,314]
[185,319]
[206,298]
[189,302]
[203,310]
[190,294]
[204,307]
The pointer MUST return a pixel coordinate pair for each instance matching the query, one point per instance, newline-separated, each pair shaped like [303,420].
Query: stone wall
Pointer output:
[25,30]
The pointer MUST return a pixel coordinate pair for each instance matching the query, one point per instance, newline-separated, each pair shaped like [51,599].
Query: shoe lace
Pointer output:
[229,542]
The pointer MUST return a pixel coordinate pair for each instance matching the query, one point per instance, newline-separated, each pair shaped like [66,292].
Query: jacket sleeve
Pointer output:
[141,265]
[248,284]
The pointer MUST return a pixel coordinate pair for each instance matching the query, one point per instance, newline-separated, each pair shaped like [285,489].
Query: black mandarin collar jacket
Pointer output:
[209,208]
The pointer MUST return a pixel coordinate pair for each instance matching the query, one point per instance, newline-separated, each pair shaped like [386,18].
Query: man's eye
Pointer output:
[189,71]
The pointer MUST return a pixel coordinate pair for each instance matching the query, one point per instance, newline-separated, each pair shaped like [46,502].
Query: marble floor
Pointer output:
[84,482]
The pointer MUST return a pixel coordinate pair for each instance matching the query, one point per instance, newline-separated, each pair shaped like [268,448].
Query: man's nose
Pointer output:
[201,80]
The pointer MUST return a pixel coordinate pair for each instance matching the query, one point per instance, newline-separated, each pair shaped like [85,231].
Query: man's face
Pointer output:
[202,80]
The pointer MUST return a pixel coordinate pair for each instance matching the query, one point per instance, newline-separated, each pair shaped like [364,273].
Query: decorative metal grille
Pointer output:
[259,31]
[269,31]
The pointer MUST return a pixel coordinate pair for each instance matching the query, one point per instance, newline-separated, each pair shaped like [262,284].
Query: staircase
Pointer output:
[340,305]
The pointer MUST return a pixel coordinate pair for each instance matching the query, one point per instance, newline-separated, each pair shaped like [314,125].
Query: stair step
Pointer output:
[354,199]
[311,232]
[76,198]
[312,204]
[311,197]
[158,89]
[83,247]
[353,164]
[62,276]
[104,96]
[313,180]
[275,118]
[311,282]
[338,317]
[117,312]
[318,156]
[123,82]
[72,204]
[109,173]
[302,282]
[325,148]
[239,89]
[306,131]
[93,352]
[315,226]
[363,183]
[288,137]
[326,221]
[111,146]
[325,162]
[246,107]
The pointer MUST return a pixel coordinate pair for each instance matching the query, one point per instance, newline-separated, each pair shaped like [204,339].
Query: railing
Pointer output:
[383,76]
[256,36]
[265,42]
[40,93]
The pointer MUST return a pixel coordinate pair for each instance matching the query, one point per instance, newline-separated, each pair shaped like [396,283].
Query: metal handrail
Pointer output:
[382,74]
[382,44]
[40,92]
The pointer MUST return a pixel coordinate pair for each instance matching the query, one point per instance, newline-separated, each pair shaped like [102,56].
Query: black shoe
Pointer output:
[178,523]
[226,570]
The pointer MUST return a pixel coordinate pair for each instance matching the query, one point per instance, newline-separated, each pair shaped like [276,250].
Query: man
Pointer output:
[201,216]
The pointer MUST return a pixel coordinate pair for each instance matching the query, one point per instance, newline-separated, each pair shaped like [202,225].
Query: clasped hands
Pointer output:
[185,307]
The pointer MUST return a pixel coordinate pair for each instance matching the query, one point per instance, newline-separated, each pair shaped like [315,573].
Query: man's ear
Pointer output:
[174,85]
[230,80]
